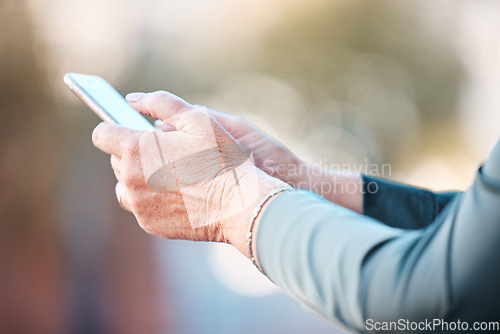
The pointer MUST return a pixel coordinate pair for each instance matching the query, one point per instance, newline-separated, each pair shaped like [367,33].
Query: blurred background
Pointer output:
[408,85]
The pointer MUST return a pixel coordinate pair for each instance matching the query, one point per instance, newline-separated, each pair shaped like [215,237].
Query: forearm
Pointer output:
[236,227]
[339,187]
[395,204]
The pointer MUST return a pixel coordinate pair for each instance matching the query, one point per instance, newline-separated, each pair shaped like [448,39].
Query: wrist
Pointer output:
[313,178]
[254,224]
[299,176]
[234,229]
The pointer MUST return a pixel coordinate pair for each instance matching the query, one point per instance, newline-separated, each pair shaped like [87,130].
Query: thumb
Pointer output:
[160,105]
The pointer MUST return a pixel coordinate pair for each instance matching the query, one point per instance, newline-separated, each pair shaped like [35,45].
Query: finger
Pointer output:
[160,105]
[111,138]
[116,165]
[160,125]
[121,195]
[233,124]
[224,119]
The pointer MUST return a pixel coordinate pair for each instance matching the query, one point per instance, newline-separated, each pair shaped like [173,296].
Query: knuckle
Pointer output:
[127,178]
[162,98]
[132,145]
[136,206]
[158,96]
[130,178]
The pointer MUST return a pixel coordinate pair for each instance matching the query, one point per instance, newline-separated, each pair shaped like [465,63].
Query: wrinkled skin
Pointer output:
[192,181]
[268,154]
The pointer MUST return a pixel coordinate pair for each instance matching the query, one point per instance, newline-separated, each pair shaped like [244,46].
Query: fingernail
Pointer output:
[134,97]
[158,122]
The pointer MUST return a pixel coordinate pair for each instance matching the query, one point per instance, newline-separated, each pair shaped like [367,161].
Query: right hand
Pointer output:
[194,182]
[269,155]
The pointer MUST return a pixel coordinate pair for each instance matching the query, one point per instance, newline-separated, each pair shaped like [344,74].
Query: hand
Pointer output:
[194,181]
[272,157]
[269,154]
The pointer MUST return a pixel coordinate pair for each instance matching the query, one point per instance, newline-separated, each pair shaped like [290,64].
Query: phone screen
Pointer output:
[101,97]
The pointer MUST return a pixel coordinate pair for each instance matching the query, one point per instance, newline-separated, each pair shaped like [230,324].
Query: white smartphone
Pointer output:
[105,101]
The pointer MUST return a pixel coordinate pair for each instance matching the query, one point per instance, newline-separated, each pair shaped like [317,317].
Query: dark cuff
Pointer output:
[400,205]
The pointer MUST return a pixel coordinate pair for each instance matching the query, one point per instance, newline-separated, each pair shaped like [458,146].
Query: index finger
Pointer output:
[111,138]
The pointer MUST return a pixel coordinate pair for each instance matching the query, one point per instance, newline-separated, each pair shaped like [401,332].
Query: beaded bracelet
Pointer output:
[255,213]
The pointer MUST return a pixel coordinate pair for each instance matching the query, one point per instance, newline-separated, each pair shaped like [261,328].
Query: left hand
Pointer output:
[195,182]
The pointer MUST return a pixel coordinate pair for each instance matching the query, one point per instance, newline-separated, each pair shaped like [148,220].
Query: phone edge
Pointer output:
[85,98]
